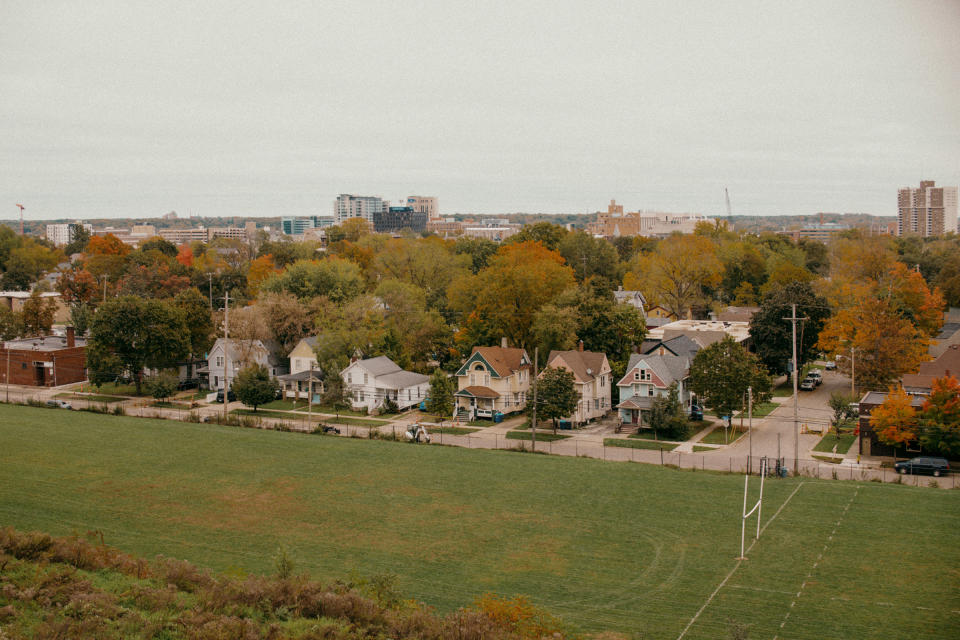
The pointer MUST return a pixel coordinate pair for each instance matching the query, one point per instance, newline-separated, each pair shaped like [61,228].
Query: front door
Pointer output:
[40,374]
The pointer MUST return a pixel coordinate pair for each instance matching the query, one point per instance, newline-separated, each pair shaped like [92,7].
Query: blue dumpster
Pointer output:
[498,417]
[783,472]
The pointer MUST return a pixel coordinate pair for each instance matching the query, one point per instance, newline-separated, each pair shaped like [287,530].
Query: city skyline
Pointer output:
[133,111]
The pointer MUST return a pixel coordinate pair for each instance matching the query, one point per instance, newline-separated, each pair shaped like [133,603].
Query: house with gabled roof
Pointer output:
[305,373]
[649,376]
[228,357]
[592,380]
[371,382]
[492,380]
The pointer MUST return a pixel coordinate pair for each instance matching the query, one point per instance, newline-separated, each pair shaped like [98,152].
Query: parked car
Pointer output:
[188,383]
[816,376]
[936,466]
[696,412]
[231,396]
[59,404]
[326,429]
[808,385]
[830,365]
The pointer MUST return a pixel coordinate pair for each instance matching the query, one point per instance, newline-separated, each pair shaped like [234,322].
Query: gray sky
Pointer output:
[238,108]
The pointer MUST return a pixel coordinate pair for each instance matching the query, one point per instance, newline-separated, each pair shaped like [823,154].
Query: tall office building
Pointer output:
[349,206]
[299,226]
[425,204]
[927,211]
[62,234]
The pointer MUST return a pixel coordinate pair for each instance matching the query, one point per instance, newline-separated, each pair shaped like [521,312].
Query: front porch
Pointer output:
[633,412]
[297,385]
[477,402]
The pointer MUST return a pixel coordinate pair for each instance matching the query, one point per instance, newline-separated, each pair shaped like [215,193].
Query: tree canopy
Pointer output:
[721,373]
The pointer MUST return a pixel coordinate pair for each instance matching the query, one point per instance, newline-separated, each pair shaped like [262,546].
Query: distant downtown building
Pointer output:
[395,219]
[425,204]
[927,211]
[348,206]
[298,226]
[615,223]
[62,234]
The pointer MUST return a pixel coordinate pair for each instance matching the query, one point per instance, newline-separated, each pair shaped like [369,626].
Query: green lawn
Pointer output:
[302,405]
[633,548]
[763,409]
[450,431]
[112,388]
[828,441]
[278,415]
[643,435]
[161,404]
[717,435]
[699,449]
[639,444]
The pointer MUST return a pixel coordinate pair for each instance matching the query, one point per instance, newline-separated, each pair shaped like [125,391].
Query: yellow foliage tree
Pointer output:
[895,421]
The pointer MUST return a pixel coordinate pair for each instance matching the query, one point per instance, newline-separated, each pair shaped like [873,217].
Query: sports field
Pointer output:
[608,546]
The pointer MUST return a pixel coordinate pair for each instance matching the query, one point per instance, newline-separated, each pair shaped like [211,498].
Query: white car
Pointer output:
[831,365]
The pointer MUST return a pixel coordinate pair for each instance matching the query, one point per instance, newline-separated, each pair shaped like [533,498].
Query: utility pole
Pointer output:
[7,346]
[21,218]
[210,278]
[310,393]
[796,422]
[533,421]
[226,341]
[750,427]
[105,278]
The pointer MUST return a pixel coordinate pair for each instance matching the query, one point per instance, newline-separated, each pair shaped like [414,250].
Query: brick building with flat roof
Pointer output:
[48,361]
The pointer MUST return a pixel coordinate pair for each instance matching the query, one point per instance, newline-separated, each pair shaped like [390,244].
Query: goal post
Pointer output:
[757,507]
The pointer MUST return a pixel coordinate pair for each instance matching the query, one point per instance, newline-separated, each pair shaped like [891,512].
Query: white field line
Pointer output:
[737,565]
[803,586]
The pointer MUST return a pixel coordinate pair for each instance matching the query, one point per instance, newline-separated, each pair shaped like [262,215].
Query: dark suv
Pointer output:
[230,395]
[936,466]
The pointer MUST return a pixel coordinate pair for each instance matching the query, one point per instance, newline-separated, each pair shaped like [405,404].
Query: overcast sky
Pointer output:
[240,108]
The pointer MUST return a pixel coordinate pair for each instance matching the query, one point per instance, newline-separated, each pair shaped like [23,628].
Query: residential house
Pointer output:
[680,345]
[370,382]
[493,379]
[228,357]
[303,367]
[592,379]
[657,316]
[649,377]
[44,361]
[632,298]
[921,382]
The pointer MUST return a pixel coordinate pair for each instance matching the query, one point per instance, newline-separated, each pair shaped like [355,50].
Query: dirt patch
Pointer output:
[250,508]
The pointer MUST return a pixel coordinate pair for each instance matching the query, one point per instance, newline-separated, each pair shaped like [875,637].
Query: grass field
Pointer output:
[829,441]
[717,436]
[629,547]
[640,444]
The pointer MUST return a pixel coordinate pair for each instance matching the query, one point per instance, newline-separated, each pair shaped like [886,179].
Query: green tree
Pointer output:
[11,324]
[37,314]
[667,418]
[721,373]
[81,315]
[196,313]
[162,245]
[130,333]
[480,250]
[335,393]
[440,402]
[557,395]
[78,243]
[546,233]
[254,386]
[163,385]
[772,336]
[336,278]
[840,403]
[590,257]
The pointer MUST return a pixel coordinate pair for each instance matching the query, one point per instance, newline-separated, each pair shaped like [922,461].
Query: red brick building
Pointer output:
[44,361]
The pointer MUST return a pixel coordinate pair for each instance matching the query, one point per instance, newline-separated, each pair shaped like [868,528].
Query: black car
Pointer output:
[231,396]
[696,412]
[936,466]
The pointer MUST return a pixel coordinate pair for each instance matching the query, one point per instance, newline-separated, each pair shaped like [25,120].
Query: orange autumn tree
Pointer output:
[107,245]
[887,345]
[908,292]
[502,299]
[895,421]
[185,256]
[260,269]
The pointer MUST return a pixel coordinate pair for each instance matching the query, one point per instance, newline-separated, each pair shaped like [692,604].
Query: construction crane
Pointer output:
[726,192]
[21,218]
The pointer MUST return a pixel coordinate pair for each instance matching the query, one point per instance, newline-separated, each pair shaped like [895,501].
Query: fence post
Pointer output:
[604,447]
[661,456]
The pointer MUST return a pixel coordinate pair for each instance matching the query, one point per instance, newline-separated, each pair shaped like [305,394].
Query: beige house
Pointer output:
[492,380]
[303,361]
[592,379]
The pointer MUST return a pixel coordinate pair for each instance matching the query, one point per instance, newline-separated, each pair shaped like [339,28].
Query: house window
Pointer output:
[596,403]
[219,361]
[650,390]
[364,378]
[636,375]
[644,374]
[486,379]
[350,378]
[473,379]
[216,382]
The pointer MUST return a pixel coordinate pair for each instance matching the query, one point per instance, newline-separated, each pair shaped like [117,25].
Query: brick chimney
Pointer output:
[71,341]
[581,346]
[503,342]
